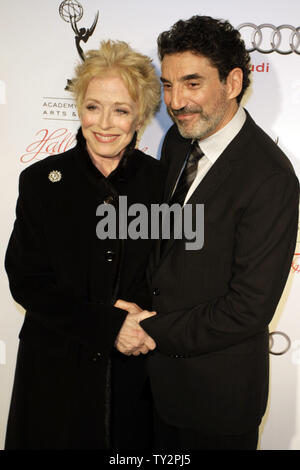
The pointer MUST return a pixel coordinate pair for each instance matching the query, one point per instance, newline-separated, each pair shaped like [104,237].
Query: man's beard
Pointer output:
[204,126]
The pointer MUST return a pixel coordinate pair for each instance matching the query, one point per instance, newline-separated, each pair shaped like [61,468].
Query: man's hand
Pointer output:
[132,339]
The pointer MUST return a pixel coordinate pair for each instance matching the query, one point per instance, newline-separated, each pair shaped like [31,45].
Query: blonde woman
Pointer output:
[73,388]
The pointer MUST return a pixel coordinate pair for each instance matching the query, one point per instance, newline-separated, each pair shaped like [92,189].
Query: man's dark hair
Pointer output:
[214,39]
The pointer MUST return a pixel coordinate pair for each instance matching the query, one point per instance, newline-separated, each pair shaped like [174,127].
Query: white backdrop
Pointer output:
[38,118]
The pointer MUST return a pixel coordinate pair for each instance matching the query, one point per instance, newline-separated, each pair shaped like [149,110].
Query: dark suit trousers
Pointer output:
[171,438]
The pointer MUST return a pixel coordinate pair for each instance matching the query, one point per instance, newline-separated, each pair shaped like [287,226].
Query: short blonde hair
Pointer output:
[134,68]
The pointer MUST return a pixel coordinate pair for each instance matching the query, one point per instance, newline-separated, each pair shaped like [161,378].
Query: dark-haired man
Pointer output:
[209,372]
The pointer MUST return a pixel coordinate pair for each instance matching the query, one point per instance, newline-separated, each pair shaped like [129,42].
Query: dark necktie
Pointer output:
[185,180]
[188,175]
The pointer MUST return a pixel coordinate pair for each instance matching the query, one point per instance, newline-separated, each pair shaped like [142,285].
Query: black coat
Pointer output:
[210,369]
[67,280]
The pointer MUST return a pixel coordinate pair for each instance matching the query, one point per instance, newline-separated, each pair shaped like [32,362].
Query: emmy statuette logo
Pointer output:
[71,11]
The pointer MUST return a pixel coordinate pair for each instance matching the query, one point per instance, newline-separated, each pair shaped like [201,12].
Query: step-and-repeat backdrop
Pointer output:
[42,41]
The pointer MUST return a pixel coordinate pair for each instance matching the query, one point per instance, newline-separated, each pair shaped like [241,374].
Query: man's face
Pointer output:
[197,101]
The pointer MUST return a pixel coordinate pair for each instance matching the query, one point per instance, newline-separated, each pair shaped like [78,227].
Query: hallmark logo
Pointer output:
[48,143]
[296,263]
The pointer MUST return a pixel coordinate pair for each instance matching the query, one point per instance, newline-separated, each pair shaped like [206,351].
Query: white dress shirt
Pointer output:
[214,145]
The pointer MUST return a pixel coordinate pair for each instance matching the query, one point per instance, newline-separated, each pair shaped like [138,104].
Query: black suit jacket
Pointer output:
[210,369]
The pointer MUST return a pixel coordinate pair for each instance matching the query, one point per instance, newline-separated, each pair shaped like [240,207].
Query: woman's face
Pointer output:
[109,118]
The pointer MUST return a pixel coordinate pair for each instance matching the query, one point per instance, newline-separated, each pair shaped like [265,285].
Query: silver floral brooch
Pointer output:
[54,176]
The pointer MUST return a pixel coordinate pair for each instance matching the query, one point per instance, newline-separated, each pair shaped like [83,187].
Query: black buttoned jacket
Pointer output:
[67,279]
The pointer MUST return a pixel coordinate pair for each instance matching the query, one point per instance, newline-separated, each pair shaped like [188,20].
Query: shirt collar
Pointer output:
[214,145]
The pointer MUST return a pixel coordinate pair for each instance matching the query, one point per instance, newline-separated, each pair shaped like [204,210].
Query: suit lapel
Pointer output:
[176,155]
[177,158]
[205,190]
[211,182]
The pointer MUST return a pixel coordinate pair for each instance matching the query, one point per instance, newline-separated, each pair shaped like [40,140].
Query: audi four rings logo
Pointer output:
[267,38]
[279,343]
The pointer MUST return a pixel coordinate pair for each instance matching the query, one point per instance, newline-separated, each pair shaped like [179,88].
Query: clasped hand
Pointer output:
[132,339]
